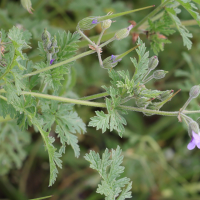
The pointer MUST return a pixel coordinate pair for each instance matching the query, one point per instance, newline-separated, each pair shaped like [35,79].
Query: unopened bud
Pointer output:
[110,62]
[153,106]
[194,91]
[153,63]
[106,24]
[165,95]
[142,102]
[158,74]
[123,33]
[54,41]
[27,5]
[47,43]
[189,131]
[45,35]
[56,49]
[88,23]
[52,50]
[194,126]
[198,121]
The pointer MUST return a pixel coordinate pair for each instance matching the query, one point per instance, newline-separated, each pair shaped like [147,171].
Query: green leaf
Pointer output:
[182,29]
[67,44]
[196,1]
[162,25]
[113,120]
[19,40]
[54,157]
[67,47]
[110,171]
[40,198]
[190,8]
[12,142]
[68,123]
[101,121]
[141,65]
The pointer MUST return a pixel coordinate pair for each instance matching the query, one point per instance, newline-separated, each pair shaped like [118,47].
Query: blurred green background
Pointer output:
[155,151]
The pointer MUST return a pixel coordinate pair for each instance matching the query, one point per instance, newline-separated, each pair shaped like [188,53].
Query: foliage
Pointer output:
[37,94]
[12,141]
[111,186]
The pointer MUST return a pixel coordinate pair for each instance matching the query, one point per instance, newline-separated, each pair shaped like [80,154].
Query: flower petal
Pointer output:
[191,145]
[196,137]
[198,145]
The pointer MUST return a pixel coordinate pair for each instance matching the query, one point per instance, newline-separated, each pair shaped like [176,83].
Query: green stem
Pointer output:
[41,90]
[67,100]
[150,15]
[92,43]
[107,42]
[105,37]
[8,69]
[148,79]
[101,105]
[60,63]
[186,104]
[4,98]
[96,96]
[57,64]
[100,36]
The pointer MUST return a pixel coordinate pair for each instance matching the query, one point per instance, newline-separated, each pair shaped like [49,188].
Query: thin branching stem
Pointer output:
[101,105]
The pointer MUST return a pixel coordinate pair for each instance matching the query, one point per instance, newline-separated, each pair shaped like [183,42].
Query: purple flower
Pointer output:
[51,61]
[113,59]
[94,21]
[195,141]
[130,27]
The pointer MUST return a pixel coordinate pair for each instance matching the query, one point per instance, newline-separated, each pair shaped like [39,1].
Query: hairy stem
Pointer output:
[100,36]
[60,63]
[92,43]
[96,96]
[101,105]
[150,15]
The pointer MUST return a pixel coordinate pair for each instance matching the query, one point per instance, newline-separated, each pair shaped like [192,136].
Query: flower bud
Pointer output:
[54,41]
[194,91]
[153,63]
[56,49]
[155,106]
[123,33]
[88,23]
[198,121]
[165,95]
[110,62]
[106,24]
[47,43]
[189,131]
[45,35]
[52,50]
[142,102]
[27,5]
[158,74]
[194,126]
